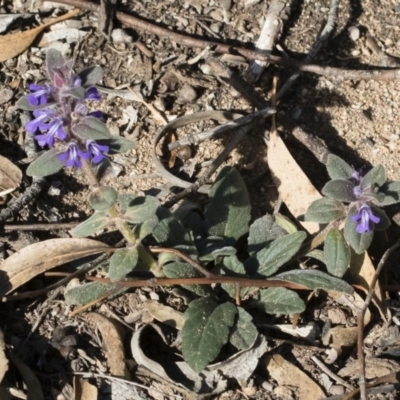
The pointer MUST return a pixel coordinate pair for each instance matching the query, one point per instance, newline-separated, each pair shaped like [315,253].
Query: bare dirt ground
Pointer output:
[357,120]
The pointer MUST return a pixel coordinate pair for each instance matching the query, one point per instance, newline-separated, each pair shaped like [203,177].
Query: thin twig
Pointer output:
[331,72]
[39,227]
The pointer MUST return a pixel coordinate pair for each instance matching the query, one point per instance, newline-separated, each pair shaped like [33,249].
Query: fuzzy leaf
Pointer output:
[233,267]
[391,191]
[340,189]
[228,212]
[97,222]
[325,210]
[280,301]
[313,279]
[76,93]
[140,209]
[384,222]
[185,270]
[91,128]
[285,223]
[358,241]
[146,228]
[45,165]
[338,168]
[102,198]
[244,332]
[122,262]
[205,331]
[263,231]
[377,176]
[85,293]
[23,104]
[54,60]
[336,253]
[317,254]
[119,144]
[268,260]
[90,76]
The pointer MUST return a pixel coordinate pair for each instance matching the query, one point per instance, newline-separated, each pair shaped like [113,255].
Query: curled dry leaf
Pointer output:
[165,314]
[40,257]
[15,43]
[298,193]
[112,331]
[32,383]
[10,174]
[83,390]
[286,374]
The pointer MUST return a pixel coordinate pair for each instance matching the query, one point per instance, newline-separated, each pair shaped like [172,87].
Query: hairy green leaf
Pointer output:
[94,224]
[122,262]
[140,209]
[358,241]
[285,223]
[205,331]
[384,222]
[338,168]
[268,260]
[391,191]
[376,176]
[336,253]
[340,189]
[102,198]
[91,128]
[280,301]
[233,267]
[87,292]
[313,279]
[244,332]
[119,144]
[317,254]
[228,212]
[325,210]
[46,164]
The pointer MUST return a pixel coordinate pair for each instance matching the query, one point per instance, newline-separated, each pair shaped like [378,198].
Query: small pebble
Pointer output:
[226,4]
[187,94]
[336,390]
[354,33]
[120,36]
[5,95]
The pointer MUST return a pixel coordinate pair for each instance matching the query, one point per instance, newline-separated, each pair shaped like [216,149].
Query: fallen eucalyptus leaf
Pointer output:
[40,257]
[15,43]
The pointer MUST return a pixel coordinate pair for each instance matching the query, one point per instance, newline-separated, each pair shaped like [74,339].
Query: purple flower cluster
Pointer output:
[58,107]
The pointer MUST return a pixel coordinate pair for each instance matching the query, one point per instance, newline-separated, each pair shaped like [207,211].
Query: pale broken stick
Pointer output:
[272,29]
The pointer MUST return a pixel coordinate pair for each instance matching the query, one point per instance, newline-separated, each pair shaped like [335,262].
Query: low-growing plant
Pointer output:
[256,262]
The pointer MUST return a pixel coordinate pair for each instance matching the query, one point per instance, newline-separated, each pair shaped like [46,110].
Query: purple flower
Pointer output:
[92,94]
[39,121]
[55,130]
[39,95]
[73,155]
[97,151]
[96,114]
[364,215]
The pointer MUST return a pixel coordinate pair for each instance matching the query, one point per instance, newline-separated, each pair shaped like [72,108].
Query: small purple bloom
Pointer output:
[92,94]
[55,130]
[356,175]
[39,121]
[39,95]
[73,155]
[364,215]
[96,114]
[97,151]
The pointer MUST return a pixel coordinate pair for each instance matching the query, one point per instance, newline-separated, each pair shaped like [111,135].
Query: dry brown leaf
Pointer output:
[83,390]
[40,257]
[10,174]
[165,314]
[111,332]
[286,374]
[298,193]
[15,43]
[3,358]
[374,368]
[34,389]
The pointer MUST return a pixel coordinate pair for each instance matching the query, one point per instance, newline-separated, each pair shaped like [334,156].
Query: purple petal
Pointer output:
[96,114]
[92,94]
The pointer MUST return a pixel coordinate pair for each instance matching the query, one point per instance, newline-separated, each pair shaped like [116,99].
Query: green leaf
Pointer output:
[233,267]
[91,128]
[119,144]
[205,331]
[90,76]
[23,104]
[280,301]
[325,210]
[124,199]
[317,254]
[122,262]
[391,191]
[313,279]
[228,212]
[102,198]
[377,176]
[185,270]
[87,292]
[46,164]
[244,332]
[336,253]
[285,223]
[384,222]
[140,209]
[358,241]
[262,232]
[338,168]
[54,60]
[76,93]
[97,222]
[340,189]
[268,260]
[146,228]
